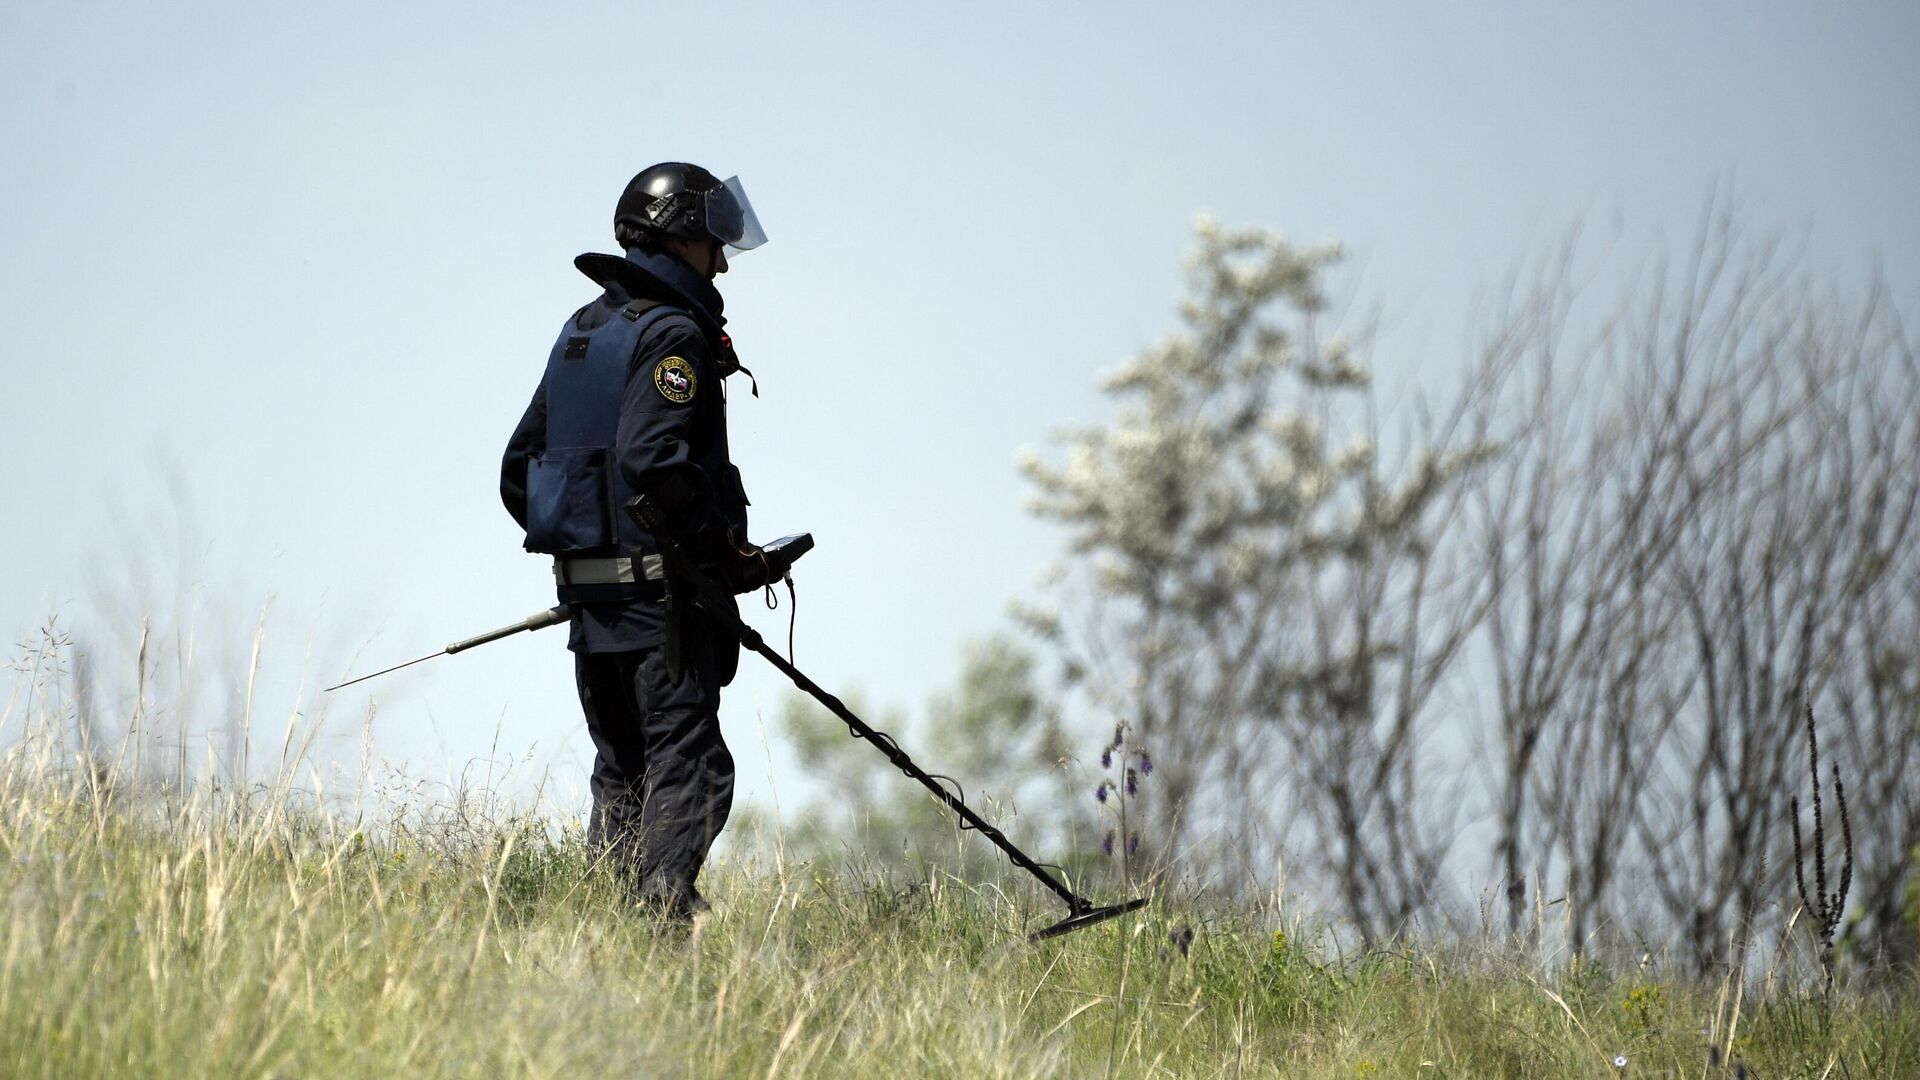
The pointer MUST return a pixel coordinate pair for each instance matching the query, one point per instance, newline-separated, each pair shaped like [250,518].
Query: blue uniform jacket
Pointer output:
[663,429]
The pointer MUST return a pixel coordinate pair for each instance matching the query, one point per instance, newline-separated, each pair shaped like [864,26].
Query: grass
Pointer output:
[222,937]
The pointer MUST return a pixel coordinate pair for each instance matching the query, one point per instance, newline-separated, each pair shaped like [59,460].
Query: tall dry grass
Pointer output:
[220,935]
[247,929]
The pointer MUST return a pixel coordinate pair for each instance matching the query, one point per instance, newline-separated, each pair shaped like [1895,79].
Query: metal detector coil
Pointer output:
[1087,918]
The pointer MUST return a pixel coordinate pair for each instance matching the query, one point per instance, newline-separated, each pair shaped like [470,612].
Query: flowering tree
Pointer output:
[1246,584]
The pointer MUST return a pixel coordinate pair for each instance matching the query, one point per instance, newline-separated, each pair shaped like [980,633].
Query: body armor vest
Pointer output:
[575,493]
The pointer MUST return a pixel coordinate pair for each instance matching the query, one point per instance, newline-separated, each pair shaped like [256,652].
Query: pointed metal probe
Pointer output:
[539,620]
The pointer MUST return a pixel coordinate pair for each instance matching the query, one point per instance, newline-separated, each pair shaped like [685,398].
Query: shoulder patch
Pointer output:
[675,380]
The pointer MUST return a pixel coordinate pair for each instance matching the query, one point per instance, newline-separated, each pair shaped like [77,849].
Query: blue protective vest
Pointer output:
[575,493]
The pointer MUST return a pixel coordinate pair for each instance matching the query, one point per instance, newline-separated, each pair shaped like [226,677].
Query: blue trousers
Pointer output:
[662,774]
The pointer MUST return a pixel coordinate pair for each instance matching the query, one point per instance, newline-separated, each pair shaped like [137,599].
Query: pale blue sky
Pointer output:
[308,261]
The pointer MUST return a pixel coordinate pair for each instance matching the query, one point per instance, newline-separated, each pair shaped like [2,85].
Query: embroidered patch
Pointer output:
[673,377]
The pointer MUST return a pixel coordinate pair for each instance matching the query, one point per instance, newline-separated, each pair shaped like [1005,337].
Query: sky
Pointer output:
[276,282]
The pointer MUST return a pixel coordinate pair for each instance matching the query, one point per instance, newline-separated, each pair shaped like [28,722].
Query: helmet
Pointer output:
[674,198]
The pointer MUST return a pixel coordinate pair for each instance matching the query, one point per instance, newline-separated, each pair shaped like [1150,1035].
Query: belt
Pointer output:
[606,571]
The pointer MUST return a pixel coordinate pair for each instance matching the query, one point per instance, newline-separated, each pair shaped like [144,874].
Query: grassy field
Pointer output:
[216,939]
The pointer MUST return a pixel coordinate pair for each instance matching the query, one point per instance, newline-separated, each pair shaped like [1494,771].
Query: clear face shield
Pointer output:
[730,217]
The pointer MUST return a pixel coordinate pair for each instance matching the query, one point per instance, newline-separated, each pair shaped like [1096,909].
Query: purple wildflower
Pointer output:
[1146,764]
[1133,843]
[1119,736]
[1100,793]
[1133,781]
[1106,758]
[1106,845]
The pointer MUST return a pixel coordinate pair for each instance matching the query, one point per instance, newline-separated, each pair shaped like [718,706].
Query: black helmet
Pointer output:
[674,198]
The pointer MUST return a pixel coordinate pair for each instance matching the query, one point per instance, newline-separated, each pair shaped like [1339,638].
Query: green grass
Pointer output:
[216,940]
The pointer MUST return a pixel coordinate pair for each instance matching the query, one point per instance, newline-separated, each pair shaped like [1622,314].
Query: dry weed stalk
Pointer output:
[1827,908]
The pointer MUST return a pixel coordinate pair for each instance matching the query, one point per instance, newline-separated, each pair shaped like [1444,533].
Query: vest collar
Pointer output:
[650,274]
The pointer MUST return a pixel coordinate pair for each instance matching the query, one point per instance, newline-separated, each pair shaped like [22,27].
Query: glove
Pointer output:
[744,569]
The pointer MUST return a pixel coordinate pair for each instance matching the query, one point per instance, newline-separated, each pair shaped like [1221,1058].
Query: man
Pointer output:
[631,404]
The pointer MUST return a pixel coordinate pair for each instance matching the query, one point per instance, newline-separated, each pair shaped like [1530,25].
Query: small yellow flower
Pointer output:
[1641,1002]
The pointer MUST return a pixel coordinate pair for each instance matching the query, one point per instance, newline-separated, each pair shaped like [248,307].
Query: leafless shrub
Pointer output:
[1702,525]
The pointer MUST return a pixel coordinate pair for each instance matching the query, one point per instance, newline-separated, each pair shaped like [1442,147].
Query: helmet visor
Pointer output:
[730,217]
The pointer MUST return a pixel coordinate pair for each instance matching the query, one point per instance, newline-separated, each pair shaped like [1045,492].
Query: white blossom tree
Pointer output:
[1255,593]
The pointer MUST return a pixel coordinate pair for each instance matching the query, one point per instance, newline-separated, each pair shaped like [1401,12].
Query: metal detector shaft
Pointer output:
[539,620]
[1081,911]
[751,639]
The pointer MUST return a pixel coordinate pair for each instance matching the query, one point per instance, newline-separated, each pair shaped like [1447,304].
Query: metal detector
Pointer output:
[681,571]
